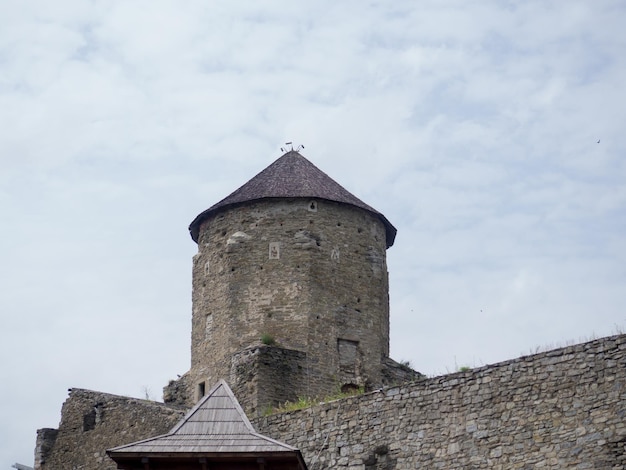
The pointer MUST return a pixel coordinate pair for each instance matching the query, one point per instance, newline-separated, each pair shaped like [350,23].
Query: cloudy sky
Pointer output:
[491,135]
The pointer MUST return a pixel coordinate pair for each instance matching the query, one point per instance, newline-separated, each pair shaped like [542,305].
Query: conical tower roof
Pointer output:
[291,176]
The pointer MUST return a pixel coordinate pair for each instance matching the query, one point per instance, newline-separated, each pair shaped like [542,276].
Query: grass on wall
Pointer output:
[307,402]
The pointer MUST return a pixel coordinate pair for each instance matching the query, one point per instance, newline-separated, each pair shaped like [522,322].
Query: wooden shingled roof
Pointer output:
[291,176]
[217,430]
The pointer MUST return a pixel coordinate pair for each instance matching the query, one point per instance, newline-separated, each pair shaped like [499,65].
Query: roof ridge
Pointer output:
[220,384]
[204,435]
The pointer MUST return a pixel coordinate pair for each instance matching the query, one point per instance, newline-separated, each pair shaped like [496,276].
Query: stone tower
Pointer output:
[290,290]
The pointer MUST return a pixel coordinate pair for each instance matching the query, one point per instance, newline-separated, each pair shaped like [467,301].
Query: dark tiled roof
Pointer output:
[291,176]
[216,427]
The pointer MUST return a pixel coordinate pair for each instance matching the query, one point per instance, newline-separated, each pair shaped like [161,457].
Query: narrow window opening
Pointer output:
[208,325]
[89,421]
[93,417]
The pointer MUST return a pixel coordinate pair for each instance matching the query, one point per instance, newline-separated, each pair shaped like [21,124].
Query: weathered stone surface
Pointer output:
[560,409]
[395,373]
[92,422]
[177,392]
[313,281]
[268,376]
[44,446]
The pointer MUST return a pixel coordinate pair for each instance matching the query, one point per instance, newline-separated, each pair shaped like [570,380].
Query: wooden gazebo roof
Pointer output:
[291,176]
[216,433]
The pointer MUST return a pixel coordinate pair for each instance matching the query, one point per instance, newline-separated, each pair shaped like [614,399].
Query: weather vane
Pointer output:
[290,149]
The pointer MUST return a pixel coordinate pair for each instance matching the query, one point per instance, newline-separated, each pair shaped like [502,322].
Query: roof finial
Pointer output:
[290,148]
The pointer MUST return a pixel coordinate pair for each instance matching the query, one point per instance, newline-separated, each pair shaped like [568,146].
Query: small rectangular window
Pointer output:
[348,353]
[274,250]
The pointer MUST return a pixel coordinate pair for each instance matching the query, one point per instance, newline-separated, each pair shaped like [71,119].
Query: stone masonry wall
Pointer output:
[559,409]
[266,376]
[92,422]
[311,274]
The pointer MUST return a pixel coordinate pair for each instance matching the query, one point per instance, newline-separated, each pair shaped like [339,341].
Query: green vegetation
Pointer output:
[268,339]
[306,402]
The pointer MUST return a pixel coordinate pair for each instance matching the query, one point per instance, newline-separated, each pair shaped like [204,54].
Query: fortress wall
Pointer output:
[564,408]
[92,422]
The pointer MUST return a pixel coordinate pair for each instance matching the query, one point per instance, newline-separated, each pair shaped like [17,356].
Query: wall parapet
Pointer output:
[564,408]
